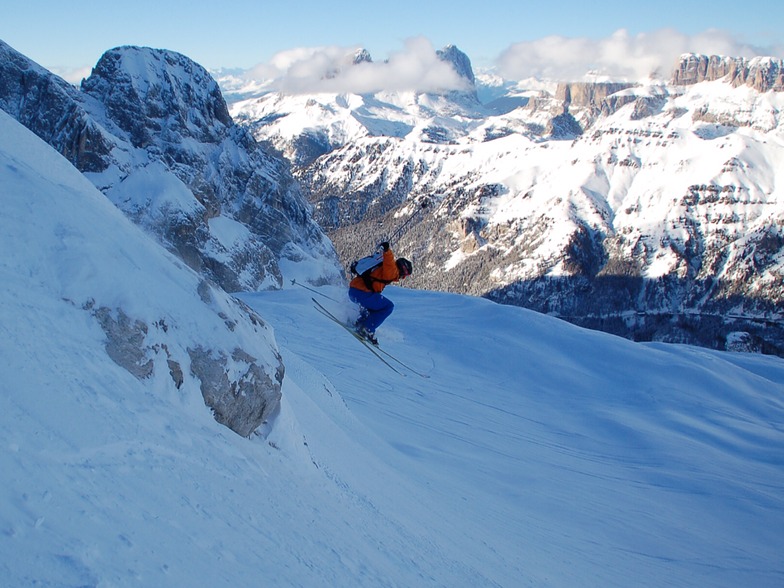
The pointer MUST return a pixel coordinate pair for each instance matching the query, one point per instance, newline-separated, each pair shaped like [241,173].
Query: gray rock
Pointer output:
[125,341]
[241,404]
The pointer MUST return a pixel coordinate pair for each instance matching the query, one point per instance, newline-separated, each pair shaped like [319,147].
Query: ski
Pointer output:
[405,365]
[356,335]
[378,351]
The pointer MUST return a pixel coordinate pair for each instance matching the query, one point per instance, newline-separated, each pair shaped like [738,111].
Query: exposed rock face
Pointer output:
[362,56]
[587,95]
[172,100]
[460,62]
[575,106]
[241,404]
[761,73]
[52,109]
[125,341]
[240,389]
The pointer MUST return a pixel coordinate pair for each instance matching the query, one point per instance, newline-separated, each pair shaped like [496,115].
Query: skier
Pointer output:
[366,289]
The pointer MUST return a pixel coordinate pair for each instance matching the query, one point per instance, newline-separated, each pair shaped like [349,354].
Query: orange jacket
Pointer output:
[381,276]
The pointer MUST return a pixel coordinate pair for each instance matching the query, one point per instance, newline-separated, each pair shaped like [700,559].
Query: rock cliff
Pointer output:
[761,73]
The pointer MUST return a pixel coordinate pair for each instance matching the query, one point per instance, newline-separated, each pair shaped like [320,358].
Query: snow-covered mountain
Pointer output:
[536,453]
[649,209]
[151,130]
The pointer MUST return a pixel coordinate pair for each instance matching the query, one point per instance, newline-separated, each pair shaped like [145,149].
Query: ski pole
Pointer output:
[296,283]
[397,234]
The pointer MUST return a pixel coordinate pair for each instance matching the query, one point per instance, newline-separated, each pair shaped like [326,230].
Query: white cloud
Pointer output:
[330,69]
[620,56]
[70,74]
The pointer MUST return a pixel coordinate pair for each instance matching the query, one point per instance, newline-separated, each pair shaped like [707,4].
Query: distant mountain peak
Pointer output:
[362,56]
[459,60]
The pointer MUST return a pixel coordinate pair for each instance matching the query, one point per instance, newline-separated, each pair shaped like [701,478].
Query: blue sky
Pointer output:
[71,36]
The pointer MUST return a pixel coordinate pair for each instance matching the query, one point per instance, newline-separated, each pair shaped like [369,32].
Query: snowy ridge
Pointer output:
[537,453]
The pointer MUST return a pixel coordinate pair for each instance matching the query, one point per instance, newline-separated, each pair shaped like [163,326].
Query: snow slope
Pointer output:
[563,457]
[535,454]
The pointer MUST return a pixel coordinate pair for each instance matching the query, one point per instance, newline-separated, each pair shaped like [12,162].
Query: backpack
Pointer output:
[363,266]
[367,263]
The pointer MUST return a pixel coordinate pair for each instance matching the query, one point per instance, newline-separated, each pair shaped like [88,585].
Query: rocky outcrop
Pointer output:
[459,61]
[171,100]
[242,403]
[575,106]
[587,95]
[241,390]
[125,341]
[761,73]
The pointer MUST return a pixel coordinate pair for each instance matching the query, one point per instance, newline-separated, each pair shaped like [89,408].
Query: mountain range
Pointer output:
[648,209]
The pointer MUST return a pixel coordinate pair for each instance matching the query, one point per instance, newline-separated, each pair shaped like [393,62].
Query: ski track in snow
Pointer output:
[557,457]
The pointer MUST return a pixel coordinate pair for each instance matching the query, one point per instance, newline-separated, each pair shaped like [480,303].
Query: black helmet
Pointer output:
[404,267]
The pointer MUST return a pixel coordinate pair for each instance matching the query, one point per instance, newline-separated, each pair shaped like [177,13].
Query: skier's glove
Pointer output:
[383,246]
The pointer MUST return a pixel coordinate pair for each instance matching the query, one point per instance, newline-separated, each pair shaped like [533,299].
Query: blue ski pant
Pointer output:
[376,308]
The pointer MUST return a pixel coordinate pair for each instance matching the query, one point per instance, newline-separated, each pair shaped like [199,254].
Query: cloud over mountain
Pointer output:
[335,70]
[418,67]
[621,55]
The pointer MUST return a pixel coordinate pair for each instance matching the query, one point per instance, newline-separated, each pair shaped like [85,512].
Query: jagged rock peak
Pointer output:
[762,73]
[141,87]
[362,56]
[459,61]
